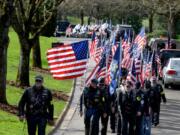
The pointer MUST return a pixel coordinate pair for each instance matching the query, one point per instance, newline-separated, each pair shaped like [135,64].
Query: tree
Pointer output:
[6,9]
[170,9]
[150,7]
[29,20]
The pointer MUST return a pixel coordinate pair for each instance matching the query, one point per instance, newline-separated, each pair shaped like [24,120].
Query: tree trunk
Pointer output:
[82,16]
[89,20]
[4,41]
[151,23]
[36,53]
[3,63]
[23,70]
[171,27]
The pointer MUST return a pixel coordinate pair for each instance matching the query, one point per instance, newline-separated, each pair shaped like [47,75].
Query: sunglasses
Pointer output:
[39,81]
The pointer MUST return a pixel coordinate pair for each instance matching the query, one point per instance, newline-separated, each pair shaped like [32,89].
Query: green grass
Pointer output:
[9,124]
[178,37]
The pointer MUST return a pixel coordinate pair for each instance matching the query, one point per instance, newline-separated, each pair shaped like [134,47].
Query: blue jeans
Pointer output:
[147,126]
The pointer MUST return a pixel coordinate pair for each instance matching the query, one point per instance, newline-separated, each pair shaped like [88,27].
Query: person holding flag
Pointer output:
[115,77]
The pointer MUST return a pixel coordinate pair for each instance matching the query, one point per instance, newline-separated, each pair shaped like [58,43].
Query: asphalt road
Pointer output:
[169,118]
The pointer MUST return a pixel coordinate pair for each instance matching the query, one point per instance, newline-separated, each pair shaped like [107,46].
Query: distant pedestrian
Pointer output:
[39,110]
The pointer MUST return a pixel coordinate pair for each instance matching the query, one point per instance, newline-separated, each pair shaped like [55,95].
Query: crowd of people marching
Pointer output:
[132,111]
[123,86]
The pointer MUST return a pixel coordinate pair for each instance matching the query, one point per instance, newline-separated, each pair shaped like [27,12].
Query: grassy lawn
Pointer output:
[178,37]
[9,124]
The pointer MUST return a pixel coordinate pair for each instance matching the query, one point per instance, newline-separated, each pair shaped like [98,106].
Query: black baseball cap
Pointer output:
[95,81]
[39,78]
[102,80]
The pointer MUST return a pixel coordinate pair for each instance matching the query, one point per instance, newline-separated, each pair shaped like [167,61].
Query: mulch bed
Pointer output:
[60,95]
[41,70]
[56,94]
[9,108]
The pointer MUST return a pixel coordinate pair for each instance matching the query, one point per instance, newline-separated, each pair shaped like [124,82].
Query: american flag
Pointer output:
[93,44]
[138,66]
[98,54]
[98,71]
[127,57]
[127,62]
[148,66]
[157,58]
[138,63]
[109,61]
[125,41]
[140,40]
[68,61]
[159,67]
[132,74]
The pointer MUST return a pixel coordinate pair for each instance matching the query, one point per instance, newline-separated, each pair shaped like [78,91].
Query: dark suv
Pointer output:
[121,32]
[61,28]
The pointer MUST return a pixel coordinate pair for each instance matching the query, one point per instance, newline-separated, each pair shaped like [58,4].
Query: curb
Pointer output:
[63,114]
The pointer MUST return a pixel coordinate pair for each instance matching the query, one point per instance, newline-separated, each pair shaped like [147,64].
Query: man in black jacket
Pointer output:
[104,114]
[127,103]
[93,101]
[39,110]
[140,106]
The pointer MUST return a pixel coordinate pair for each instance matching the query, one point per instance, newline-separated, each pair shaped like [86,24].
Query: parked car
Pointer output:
[171,72]
[166,54]
[61,28]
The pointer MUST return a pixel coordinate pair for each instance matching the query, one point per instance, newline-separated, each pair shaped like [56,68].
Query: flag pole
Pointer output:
[120,59]
[85,74]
